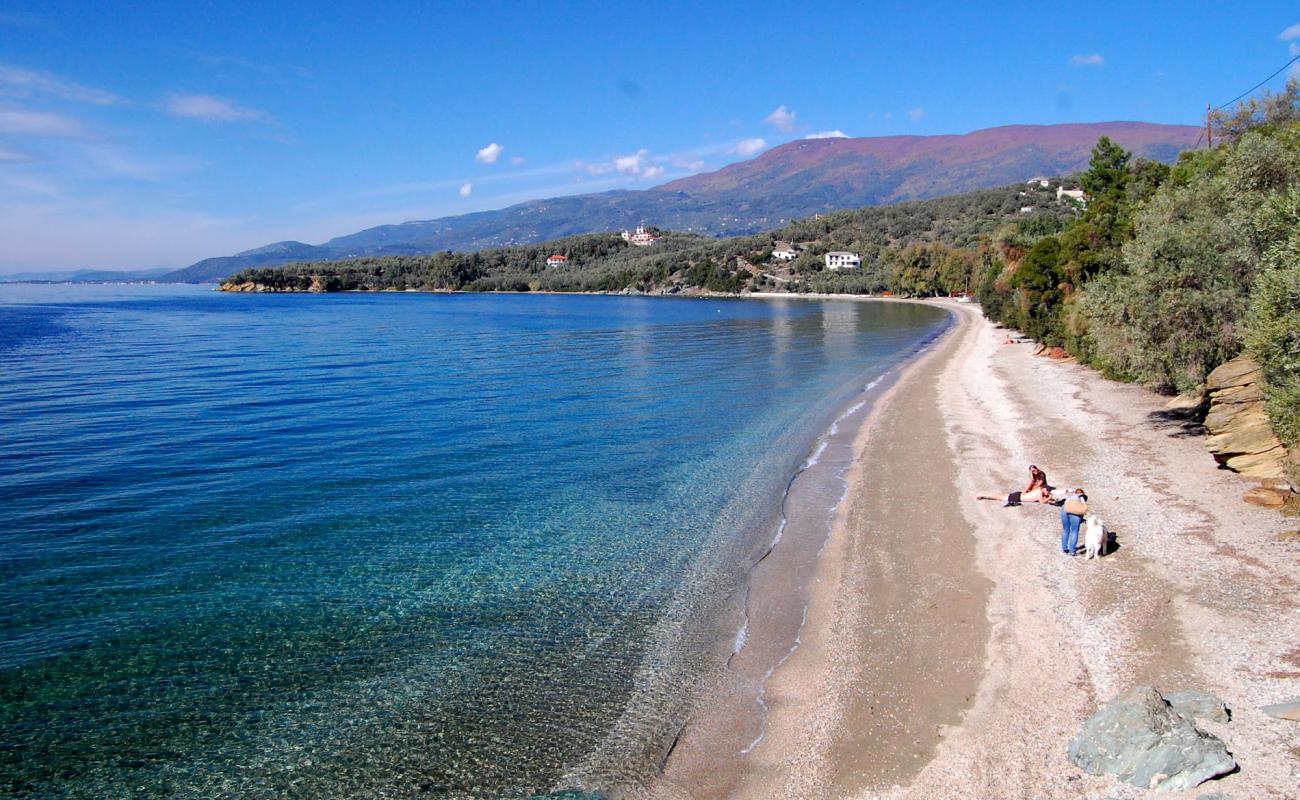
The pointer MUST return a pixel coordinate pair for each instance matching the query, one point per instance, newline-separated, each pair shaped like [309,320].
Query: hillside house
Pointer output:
[784,251]
[840,259]
[640,237]
[1042,183]
[1073,194]
[557,260]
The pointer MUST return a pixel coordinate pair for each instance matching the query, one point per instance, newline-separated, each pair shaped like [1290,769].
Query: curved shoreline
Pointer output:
[951,651]
[719,754]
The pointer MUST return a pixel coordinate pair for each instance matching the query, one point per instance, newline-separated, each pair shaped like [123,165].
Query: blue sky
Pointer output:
[151,134]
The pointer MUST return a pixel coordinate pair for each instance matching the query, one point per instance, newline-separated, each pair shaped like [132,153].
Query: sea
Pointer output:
[392,544]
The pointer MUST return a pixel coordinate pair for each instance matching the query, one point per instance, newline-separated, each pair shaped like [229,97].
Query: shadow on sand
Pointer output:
[1178,424]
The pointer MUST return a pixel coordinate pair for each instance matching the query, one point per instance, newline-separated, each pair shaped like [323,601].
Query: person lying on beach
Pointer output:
[1036,492]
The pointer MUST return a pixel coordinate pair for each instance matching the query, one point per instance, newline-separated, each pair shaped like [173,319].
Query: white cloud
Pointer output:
[889,116]
[596,170]
[631,164]
[517,160]
[651,173]
[696,165]
[916,114]
[1290,33]
[466,189]
[27,83]
[1088,60]
[783,119]
[489,154]
[207,108]
[40,123]
[748,147]
[835,134]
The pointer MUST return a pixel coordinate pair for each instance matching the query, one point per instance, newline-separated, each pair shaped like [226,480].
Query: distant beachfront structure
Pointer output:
[839,259]
[784,251]
[557,260]
[640,237]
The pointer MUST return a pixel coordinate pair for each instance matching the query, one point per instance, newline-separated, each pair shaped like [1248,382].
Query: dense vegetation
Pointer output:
[924,247]
[1172,271]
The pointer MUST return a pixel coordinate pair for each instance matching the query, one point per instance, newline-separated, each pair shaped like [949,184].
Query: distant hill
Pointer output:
[86,276]
[794,180]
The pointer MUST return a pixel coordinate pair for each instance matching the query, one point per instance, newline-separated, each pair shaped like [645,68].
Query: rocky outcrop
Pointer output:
[1240,436]
[1139,738]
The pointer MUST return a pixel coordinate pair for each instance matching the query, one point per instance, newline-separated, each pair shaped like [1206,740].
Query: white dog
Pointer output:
[1094,538]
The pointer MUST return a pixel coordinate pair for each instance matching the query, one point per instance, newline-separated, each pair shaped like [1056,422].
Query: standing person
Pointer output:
[1072,511]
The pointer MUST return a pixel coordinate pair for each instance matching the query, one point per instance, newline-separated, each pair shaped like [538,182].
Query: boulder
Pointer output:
[1266,496]
[1140,739]
[1198,705]
[1240,435]
[1289,710]
[1189,404]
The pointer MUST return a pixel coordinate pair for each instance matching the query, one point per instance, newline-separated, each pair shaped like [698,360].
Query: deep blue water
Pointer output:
[391,544]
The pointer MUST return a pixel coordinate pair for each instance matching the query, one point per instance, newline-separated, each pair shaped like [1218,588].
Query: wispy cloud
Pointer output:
[26,122]
[1290,33]
[209,108]
[748,147]
[783,119]
[268,70]
[1088,60]
[517,160]
[916,114]
[466,189]
[835,134]
[19,82]
[13,154]
[651,173]
[489,154]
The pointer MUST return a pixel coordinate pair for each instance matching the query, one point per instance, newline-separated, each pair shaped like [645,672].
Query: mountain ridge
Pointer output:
[796,179]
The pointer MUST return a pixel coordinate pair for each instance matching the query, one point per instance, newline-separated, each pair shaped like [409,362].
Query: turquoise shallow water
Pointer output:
[387,545]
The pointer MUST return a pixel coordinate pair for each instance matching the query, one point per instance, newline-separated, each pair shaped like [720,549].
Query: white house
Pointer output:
[1042,182]
[641,237]
[784,251]
[1073,194]
[839,259]
[557,260]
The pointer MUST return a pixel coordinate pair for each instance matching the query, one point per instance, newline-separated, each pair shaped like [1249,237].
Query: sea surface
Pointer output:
[390,545]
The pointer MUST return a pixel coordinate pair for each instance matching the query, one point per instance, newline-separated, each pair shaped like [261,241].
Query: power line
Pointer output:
[1261,83]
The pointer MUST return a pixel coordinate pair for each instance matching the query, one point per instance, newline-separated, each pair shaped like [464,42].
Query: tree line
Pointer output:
[1173,270]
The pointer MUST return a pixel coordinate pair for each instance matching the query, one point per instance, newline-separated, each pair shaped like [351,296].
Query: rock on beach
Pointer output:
[1142,740]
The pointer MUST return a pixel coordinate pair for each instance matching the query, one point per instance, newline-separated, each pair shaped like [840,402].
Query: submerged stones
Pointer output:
[1144,740]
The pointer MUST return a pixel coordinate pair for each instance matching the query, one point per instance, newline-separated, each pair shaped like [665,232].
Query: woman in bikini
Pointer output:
[1036,492]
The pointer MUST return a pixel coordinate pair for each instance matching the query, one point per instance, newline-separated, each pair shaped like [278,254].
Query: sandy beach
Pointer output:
[951,650]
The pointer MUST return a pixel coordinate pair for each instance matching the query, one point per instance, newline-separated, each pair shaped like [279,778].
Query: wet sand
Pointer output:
[951,650]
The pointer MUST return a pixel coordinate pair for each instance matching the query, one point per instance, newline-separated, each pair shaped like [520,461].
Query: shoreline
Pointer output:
[935,662]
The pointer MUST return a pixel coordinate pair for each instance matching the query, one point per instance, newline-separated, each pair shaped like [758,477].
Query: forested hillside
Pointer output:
[793,180]
[921,247]
[1173,271]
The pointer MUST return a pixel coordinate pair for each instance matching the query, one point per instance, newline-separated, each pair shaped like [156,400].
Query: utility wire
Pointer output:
[1261,83]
